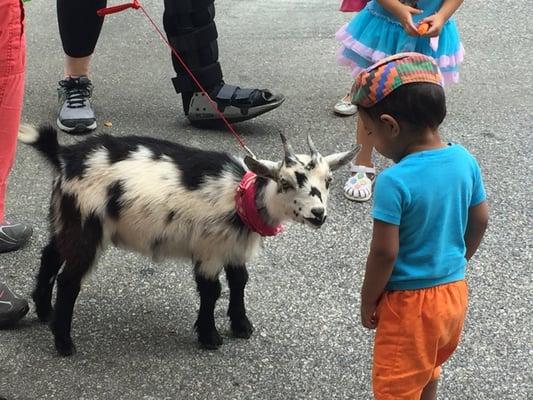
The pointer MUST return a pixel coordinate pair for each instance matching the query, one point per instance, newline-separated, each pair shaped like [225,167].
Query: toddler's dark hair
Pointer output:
[417,106]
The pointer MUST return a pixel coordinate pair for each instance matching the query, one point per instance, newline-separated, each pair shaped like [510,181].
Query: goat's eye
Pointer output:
[328,181]
[285,184]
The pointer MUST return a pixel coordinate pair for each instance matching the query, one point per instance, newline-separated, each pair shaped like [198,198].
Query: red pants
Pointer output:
[12,64]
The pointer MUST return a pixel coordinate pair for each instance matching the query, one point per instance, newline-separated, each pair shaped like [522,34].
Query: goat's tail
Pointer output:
[43,139]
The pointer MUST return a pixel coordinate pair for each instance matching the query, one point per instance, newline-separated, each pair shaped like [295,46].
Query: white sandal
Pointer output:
[359,186]
[345,107]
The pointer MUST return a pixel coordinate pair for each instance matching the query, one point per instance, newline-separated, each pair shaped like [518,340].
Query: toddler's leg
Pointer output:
[430,391]
[359,186]
[364,157]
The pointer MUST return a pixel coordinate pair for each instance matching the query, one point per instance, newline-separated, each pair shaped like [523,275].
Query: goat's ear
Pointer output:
[264,168]
[337,160]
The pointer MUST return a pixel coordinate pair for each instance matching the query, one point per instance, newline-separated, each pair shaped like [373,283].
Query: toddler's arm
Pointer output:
[379,265]
[478,218]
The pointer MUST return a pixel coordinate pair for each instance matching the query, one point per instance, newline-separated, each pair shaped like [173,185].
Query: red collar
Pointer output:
[247,209]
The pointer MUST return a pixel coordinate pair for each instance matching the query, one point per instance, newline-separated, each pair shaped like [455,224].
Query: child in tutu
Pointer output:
[344,106]
[387,27]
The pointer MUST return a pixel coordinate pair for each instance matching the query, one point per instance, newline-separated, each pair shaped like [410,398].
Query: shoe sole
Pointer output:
[9,247]
[357,199]
[344,113]
[216,122]
[79,128]
[13,320]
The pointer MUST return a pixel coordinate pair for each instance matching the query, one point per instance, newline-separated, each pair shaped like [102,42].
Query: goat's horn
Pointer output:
[314,151]
[289,152]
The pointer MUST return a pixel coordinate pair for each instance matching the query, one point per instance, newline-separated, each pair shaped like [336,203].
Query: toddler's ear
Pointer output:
[391,123]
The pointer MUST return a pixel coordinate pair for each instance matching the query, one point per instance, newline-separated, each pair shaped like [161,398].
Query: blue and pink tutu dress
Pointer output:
[374,34]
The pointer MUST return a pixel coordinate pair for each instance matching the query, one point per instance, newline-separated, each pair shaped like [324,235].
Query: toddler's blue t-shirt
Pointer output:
[428,194]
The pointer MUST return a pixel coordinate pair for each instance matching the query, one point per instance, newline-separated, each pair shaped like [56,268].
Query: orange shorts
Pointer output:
[417,331]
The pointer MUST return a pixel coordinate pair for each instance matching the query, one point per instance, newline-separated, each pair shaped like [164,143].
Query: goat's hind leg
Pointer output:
[80,248]
[68,288]
[51,261]
[237,276]
[209,290]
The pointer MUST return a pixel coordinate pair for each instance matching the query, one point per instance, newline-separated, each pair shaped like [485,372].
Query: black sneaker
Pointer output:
[13,236]
[12,307]
[76,114]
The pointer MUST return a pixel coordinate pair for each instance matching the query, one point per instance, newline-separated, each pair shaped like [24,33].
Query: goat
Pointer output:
[167,200]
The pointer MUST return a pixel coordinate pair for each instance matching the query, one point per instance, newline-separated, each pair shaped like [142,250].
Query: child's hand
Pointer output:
[368,315]
[436,22]
[405,16]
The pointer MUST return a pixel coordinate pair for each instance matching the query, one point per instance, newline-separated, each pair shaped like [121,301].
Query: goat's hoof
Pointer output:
[210,340]
[65,347]
[242,328]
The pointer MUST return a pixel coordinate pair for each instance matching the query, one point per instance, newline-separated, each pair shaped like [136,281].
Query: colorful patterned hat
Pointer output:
[379,80]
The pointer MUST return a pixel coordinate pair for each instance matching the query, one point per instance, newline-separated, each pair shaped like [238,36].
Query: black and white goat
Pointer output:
[166,200]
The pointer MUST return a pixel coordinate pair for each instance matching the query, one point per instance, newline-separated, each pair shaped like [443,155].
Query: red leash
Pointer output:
[137,5]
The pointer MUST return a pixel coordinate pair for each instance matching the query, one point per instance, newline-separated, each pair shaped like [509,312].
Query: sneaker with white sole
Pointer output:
[76,114]
[12,307]
[13,236]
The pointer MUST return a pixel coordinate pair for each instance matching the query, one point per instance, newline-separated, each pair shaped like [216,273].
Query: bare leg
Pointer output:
[77,66]
[364,157]
[430,391]
[359,186]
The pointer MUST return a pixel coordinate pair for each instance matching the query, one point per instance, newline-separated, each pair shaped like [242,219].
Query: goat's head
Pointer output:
[302,180]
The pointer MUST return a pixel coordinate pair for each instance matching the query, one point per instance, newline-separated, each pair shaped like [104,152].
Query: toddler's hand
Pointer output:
[436,22]
[368,315]
[405,16]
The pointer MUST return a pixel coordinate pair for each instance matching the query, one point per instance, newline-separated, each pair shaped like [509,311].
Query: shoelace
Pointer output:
[77,92]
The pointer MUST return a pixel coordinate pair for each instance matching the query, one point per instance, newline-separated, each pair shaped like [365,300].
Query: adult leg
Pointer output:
[191,30]
[79,28]
[12,67]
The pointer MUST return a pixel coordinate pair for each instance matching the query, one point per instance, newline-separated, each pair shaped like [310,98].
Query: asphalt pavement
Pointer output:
[134,319]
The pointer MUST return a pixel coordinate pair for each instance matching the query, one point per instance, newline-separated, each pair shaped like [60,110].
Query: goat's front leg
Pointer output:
[237,276]
[209,290]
